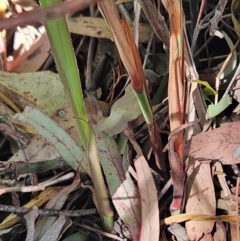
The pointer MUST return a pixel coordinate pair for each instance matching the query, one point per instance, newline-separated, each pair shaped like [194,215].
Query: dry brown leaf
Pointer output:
[150,226]
[35,59]
[176,95]
[201,200]
[176,85]
[38,149]
[97,27]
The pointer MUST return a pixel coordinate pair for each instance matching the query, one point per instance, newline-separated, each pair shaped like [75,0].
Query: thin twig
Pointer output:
[165,188]
[148,50]
[90,84]
[39,187]
[48,212]
[217,17]
[193,7]
[157,22]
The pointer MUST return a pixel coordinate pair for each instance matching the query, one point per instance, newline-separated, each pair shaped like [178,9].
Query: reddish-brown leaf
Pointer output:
[176,95]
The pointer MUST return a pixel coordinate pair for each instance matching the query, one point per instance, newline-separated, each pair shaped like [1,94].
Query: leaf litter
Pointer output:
[203,158]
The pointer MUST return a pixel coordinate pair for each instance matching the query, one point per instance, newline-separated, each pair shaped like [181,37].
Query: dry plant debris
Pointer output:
[161,92]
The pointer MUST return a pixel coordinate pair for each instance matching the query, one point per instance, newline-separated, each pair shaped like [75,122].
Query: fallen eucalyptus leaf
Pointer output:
[98,28]
[43,224]
[65,145]
[124,194]
[220,144]
[41,199]
[201,200]
[123,110]
[42,90]
[150,227]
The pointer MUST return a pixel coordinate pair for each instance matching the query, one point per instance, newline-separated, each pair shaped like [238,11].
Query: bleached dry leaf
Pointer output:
[36,58]
[30,220]
[199,217]
[44,223]
[179,232]
[26,4]
[42,198]
[220,233]
[31,57]
[221,143]
[201,200]
[150,226]
[55,230]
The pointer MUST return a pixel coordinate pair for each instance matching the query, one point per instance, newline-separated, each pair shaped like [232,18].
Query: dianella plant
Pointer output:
[65,60]
[131,59]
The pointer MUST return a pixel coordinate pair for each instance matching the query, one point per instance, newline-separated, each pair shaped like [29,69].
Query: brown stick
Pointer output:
[160,29]
[42,15]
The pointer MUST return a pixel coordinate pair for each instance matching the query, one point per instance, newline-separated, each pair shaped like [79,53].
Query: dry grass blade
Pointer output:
[131,59]
[176,94]
[110,13]
[159,27]
[136,83]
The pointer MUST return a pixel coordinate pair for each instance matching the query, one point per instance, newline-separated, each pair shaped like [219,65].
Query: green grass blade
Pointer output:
[67,67]
[65,60]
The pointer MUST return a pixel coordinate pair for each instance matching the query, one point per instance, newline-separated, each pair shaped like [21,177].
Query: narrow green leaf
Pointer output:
[65,60]
[145,106]
[208,90]
[66,64]
[214,110]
